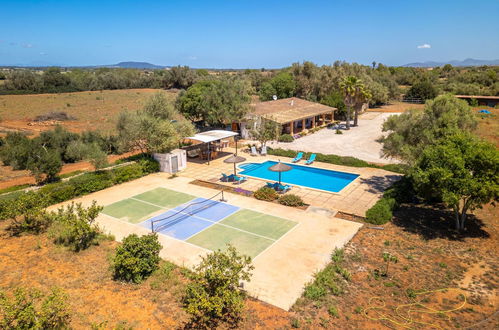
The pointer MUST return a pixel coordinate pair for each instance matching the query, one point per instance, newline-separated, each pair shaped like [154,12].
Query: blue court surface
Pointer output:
[190,218]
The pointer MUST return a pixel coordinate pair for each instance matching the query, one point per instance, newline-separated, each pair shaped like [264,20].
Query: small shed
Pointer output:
[208,144]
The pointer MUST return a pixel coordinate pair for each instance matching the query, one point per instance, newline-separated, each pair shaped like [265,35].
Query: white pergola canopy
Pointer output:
[210,136]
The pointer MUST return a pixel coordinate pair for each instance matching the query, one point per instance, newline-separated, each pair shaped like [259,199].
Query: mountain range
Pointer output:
[466,62]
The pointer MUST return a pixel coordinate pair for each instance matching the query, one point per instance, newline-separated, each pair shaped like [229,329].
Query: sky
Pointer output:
[246,33]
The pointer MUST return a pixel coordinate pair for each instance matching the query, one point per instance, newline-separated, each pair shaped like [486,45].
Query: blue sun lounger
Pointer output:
[298,157]
[239,179]
[282,188]
[310,160]
[227,178]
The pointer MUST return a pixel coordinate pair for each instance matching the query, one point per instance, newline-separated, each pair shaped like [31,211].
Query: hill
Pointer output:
[466,62]
[136,65]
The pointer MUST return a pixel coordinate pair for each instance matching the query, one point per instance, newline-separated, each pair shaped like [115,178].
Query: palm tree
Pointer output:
[354,92]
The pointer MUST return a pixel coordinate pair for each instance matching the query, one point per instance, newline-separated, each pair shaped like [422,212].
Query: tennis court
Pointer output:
[208,223]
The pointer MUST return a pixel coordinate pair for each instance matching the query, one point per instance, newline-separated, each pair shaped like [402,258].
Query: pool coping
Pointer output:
[297,185]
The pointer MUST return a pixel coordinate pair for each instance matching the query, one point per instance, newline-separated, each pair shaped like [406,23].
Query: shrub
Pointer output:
[291,200]
[286,138]
[266,194]
[381,212]
[31,310]
[34,221]
[213,294]
[74,226]
[136,258]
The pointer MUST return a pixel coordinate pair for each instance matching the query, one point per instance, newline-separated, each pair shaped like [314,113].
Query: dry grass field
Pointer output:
[91,110]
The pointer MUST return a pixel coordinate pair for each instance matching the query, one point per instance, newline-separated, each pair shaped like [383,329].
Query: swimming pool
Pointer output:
[312,177]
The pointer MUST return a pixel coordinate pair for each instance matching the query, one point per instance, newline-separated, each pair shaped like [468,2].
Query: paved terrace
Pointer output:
[281,271]
[355,199]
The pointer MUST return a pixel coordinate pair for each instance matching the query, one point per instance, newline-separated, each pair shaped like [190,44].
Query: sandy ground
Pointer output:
[359,142]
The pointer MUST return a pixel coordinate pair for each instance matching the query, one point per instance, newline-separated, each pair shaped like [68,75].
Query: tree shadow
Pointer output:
[378,184]
[432,222]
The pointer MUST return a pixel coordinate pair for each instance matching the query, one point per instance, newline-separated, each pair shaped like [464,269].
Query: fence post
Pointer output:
[223,199]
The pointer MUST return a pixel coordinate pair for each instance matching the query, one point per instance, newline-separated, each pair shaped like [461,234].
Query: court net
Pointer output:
[185,212]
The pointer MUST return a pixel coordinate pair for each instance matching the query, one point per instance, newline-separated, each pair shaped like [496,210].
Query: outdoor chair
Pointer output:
[253,151]
[239,179]
[282,188]
[271,185]
[310,160]
[227,178]
[298,157]
[264,151]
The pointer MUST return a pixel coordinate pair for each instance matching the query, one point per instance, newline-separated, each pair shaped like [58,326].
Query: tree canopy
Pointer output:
[158,127]
[282,85]
[414,130]
[461,170]
[216,102]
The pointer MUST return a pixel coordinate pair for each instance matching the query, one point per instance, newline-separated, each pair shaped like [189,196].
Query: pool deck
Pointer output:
[281,271]
[356,198]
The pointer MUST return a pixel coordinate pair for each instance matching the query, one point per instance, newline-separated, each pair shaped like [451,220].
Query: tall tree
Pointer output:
[156,128]
[216,102]
[411,132]
[355,93]
[461,170]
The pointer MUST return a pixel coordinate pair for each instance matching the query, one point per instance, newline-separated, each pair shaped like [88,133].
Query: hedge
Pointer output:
[340,160]
[81,185]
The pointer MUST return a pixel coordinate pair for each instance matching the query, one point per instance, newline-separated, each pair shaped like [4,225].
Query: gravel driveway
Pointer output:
[359,142]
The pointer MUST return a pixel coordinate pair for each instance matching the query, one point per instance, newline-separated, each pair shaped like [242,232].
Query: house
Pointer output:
[490,101]
[293,114]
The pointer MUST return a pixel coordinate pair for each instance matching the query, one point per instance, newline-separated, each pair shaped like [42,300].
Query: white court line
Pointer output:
[214,222]
[136,224]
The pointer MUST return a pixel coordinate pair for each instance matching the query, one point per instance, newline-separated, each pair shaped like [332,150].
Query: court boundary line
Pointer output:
[213,222]
[277,240]
[137,224]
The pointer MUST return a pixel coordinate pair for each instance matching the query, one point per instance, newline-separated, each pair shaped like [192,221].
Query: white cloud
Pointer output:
[423,46]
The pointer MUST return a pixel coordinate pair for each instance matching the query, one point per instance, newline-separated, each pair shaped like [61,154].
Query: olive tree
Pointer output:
[158,127]
[461,170]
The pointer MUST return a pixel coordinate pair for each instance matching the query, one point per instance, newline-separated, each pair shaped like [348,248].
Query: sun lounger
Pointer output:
[227,178]
[271,185]
[264,151]
[239,179]
[310,160]
[282,188]
[298,157]
[253,151]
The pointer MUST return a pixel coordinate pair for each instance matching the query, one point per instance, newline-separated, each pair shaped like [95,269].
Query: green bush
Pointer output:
[74,226]
[213,294]
[32,310]
[381,212]
[286,138]
[81,185]
[291,200]
[266,194]
[33,221]
[136,258]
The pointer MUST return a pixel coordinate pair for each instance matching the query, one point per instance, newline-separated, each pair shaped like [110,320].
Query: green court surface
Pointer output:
[130,210]
[259,223]
[164,197]
[248,231]
[217,237]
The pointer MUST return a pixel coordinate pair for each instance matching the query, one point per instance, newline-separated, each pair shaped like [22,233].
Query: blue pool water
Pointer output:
[306,176]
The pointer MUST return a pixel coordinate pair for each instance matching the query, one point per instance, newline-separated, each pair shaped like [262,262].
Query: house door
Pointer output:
[174,161]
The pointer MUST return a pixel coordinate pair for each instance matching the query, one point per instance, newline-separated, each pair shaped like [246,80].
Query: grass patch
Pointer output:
[13,188]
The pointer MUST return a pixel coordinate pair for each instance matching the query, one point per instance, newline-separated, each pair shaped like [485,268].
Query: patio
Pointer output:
[354,199]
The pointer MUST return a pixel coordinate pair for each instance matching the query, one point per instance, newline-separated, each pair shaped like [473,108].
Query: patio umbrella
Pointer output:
[280,167]
[234,159]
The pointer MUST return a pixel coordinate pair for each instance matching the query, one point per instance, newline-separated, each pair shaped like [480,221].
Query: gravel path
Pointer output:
[359,142]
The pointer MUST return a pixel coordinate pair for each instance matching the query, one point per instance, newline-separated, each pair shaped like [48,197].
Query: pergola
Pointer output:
[209,137]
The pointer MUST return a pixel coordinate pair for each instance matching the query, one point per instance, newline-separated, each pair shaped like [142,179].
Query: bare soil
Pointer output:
[396,106]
